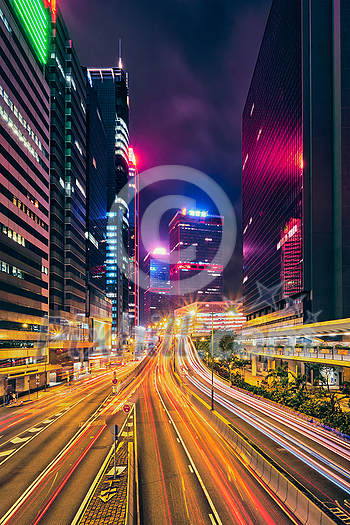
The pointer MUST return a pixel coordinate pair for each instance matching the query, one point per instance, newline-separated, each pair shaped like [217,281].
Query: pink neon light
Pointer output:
[53,8]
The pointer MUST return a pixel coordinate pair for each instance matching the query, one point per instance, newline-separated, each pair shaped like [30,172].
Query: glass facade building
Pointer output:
[111,87]
[157,285]
[195,240]
[68,175]
[295,163]
[272,158]
[98,306]
[134,253]
[24,195]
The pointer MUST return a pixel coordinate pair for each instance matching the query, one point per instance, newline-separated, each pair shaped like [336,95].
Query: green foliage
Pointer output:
[226,343]
[317,403]
[241,364]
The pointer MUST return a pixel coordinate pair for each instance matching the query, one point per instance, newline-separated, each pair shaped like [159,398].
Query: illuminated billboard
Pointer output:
[34,18]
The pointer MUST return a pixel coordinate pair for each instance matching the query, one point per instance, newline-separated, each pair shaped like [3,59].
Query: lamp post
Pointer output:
[212,360]
[212,357]
[173,340]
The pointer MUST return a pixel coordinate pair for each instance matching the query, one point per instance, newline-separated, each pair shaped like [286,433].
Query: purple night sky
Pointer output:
[190,63]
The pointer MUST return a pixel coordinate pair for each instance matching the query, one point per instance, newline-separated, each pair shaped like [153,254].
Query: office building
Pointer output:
[98,306]
[199,319]
[296,166]
[134,289]
[68,175]
[196,259]
[111,87]
[24,194]
[156,286]
[69,326]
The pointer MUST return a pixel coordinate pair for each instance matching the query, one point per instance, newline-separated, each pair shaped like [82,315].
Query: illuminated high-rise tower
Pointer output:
[134,263]
[111,87]
[24,191]
[67,175]
[156,285]
[196,258]
[296,164]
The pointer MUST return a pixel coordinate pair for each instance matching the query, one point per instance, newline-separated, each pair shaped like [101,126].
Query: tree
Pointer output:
[226,343]
[240,363]
[279,376]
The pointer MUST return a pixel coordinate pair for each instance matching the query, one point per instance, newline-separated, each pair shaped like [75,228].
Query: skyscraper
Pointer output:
[196,269]
[157,285]
[111,87]
[68,324]
[24,190]
[68,175]
[134,263]
[98,306]
[296,163]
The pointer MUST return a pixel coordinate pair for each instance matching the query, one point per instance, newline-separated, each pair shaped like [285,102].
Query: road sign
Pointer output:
[114,381]
[126,408]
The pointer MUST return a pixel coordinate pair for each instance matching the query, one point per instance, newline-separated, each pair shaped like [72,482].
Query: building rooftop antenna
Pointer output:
[120,64]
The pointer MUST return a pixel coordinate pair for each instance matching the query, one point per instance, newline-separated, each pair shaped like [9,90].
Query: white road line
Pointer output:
[6,452]
[211,504]
[212,519]
[35,429]
[191,469]
[19,440]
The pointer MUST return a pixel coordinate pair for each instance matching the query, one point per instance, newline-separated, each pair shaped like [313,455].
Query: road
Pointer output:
[189,474]
[52,449]
[316,457]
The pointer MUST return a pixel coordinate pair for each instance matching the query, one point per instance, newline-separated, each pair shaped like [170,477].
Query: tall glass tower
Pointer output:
[24,192]
[296,164]
[196,265]
[134,250]
[111,87]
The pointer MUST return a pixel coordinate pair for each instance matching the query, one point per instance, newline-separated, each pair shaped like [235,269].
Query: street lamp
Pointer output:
[212,357]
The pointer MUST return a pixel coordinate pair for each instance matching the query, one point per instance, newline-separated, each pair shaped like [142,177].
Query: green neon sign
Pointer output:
[34,18]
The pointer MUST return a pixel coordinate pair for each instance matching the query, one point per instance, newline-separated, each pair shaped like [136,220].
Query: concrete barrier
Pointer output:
[302,503]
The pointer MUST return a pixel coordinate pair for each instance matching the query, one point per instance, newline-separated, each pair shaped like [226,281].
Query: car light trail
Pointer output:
[213,457]
[67,476]
[248,418]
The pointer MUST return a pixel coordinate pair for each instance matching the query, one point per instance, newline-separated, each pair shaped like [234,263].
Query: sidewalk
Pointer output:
[111,501]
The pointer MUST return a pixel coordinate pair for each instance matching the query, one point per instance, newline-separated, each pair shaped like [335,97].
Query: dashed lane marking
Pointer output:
[7,452]
[19,440]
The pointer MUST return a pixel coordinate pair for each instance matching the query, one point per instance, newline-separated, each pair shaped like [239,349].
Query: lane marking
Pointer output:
[19,440]
[211,504]
[35,429]
[212,519]
[191,469]
[6,452]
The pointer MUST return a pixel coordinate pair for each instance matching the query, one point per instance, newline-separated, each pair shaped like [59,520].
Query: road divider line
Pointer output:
[206,493]
[94,484]
[6,517]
